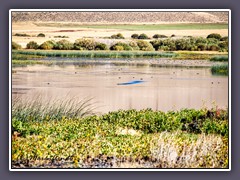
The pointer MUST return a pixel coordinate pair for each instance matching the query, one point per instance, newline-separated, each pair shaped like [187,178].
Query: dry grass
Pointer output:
[175,152]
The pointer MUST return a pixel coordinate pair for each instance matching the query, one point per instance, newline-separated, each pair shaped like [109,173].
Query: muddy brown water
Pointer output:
[164,88]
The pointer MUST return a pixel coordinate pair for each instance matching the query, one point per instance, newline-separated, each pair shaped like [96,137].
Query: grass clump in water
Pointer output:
[37,110]
[220,69]
[219,58]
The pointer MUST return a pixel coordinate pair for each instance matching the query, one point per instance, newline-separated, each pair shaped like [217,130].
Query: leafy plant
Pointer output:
[41,35]
[215,36]
[16,46]
[134,36]
[117,36]
[156,36]
[143,36]
[32,45]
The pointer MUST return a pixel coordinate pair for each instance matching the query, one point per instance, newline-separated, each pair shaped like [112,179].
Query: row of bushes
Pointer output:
[27,35]
[157,36]
[189,44]
[87,44]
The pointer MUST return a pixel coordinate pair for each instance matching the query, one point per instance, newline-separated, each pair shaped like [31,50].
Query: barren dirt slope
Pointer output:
[122,17]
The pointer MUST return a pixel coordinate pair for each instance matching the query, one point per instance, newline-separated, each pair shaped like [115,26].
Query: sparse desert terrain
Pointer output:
[104,24]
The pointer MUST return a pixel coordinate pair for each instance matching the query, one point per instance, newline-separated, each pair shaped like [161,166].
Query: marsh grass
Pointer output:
[96,54]
[30,62]
[219,58]
[38,109]
[220,69]
[193,56]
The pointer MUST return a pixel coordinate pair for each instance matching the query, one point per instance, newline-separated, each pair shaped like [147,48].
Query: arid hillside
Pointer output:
[122,17]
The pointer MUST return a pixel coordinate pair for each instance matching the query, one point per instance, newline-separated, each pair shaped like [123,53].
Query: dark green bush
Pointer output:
[16,45]
[84,44]
[214,35]
[22,34]
[121,46]
[134,45]
[143,36]
[101,46]
[219,58]
[63,45]
[213,47]
[156,36]
[117,36]
[225,38]
[223,45]
[145,46]
[61,37]
[219,69]
[32,45]
[135,36]
[173,35]
[47,45]
[202,46]
[41,35]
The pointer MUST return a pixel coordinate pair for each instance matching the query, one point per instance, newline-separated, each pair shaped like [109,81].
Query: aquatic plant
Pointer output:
[219,58]
[220,69]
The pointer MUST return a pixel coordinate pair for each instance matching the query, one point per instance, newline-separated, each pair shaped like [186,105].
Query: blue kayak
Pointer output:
[131,82]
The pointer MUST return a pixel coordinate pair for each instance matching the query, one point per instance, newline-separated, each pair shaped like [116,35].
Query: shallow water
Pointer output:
[162,88]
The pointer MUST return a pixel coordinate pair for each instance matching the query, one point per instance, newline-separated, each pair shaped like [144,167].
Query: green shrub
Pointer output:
[202,47]
[156,36]
[212,41]
[16,45]
[47,45]
[215,36]
[157,44]
[32,45]
[118,46]
[199,40]
[101,46]
[173,35]
[84,44]
[219,69]
[22,34]
[41,35]
[223,45]
[61,37]
[181,44]
[225,38]
[135,36]
[213,47]
[143,36]
[145,46]
[63,45]
[219,58]
[134,45]
[117,36]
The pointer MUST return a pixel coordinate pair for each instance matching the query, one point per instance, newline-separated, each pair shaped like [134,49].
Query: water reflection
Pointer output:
[164,88]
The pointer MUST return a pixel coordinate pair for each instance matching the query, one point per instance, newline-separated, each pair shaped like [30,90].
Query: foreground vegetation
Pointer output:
[176,139]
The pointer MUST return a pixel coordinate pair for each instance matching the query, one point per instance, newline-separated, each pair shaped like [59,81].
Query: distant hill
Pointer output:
[122,17]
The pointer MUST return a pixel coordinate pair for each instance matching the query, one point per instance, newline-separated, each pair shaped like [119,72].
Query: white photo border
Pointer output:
[119,10]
